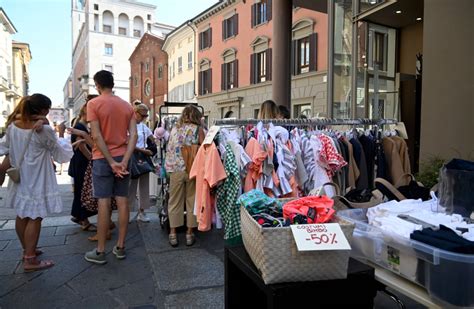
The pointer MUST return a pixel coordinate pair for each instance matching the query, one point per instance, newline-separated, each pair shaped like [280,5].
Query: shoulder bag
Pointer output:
[14,172]
[140,163]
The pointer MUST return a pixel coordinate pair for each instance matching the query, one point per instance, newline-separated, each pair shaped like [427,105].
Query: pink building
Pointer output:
[234,43]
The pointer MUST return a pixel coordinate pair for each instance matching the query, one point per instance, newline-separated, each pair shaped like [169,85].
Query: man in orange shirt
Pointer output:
[113,129]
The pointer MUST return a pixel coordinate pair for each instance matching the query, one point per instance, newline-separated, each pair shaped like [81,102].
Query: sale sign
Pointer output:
[314,237]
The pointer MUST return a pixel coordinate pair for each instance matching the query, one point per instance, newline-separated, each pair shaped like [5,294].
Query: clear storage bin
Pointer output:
[447,276]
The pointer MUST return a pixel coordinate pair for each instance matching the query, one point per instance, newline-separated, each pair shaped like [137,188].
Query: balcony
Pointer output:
[13,92]
[3,84]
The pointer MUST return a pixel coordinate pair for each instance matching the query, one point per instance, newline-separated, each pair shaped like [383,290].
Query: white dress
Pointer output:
[37,194]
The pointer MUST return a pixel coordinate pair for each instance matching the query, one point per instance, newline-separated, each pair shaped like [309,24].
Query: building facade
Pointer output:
[234,43]
[149,74]
[21,65]
[181,50]
[8,91]
[104,35]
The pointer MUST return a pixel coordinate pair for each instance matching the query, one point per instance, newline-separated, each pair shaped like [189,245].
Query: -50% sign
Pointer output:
[313,237]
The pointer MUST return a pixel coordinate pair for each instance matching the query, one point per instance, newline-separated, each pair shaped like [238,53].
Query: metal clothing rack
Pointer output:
[306,122]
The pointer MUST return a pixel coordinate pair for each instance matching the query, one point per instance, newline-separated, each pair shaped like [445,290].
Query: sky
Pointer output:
[46,26]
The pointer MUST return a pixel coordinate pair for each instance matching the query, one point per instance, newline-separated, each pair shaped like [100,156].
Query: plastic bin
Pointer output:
[447,276]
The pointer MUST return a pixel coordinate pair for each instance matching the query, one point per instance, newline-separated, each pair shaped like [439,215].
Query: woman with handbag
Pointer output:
[34,191]
[145,149]
[183,144]
[77,168]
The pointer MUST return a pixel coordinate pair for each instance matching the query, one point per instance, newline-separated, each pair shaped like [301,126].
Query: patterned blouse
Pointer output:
[179,136]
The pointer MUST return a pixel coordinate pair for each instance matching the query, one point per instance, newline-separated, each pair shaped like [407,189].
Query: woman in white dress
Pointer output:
[37,193]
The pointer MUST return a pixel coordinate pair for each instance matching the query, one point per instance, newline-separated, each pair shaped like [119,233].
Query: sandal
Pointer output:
[31,263]
[190,239]
[38,252]
[96,237]
[173,240]
[89,227]
[76,220]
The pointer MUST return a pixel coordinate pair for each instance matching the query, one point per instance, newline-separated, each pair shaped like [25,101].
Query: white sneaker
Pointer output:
[143,217]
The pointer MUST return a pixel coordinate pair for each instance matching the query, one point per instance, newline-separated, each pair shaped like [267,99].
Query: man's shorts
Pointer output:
[104,182]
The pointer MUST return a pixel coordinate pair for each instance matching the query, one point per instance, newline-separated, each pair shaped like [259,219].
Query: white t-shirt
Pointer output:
[143,132]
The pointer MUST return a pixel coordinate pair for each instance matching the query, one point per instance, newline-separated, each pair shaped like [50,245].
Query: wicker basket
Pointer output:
[274,253]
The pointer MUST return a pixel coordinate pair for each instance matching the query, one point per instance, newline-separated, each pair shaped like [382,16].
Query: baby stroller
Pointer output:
[169,113]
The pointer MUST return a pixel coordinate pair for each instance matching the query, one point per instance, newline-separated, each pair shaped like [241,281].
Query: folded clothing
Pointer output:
[255,201]
[445,239]
[310,209]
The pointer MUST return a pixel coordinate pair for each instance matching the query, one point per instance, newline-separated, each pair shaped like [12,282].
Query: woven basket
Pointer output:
[274,253]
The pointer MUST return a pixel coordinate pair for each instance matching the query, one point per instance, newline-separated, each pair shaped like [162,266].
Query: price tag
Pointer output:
[315,237]
[211,134]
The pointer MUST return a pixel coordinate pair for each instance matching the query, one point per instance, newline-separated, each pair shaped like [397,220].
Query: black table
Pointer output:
[244,287]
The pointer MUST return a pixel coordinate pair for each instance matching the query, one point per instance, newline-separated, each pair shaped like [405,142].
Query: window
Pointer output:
[190,60]
[205,82]
[109,49]
[304,54]
[107,29]
[147,87]
[255,113]
[96,7]
[109,68]
[180,64]
[148,16]
[260,70]
[205,39]
[137,33]
[229,77]
[122,31]
[379,51]
[230,27]
[147,66]
[135,81]
[173,69]
[149,27]
[160,71]
[302,110]
[261,12]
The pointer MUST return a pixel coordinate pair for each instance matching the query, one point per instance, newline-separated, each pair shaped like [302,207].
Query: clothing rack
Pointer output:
[306,122]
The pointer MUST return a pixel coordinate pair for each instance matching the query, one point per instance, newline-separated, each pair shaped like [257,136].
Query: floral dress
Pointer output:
[179,136]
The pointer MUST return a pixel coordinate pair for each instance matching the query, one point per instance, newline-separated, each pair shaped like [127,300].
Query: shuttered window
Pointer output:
[261,12]
[205,39]
[261,67]
[205,82]
[304,54]
[229,76]
[230,27]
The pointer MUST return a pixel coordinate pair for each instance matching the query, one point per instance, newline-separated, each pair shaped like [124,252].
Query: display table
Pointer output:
[244,287]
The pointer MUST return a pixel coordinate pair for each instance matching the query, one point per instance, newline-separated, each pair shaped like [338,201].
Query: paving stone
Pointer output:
[46,241]
[68,230]
[137,293]
[8,267]
[48,231]
[10,254]
[206,298]
[186,269]
[12,282]
[3,244]
[30,298]
[8,235]
[97,301]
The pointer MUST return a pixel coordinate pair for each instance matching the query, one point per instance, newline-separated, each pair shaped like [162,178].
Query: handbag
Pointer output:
[14,172]
[413,190]
[140,164]
[189,151]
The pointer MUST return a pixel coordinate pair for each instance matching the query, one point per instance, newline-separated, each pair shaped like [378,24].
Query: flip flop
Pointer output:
[36,265]
[89,228]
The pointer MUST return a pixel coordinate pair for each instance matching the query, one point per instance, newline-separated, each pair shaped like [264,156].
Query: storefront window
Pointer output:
[342,67]
[302,110]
